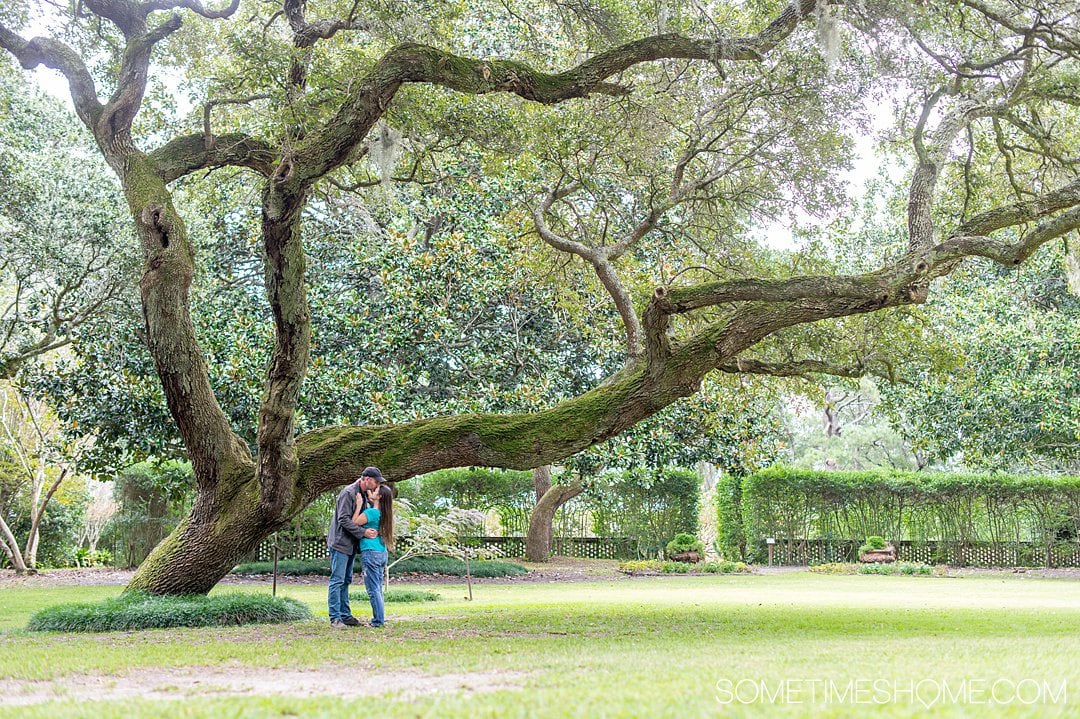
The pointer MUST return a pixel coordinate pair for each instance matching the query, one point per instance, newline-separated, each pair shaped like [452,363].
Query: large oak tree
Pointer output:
[992,84]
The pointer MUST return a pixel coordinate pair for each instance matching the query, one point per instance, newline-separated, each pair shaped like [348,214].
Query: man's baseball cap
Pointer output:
[373,472]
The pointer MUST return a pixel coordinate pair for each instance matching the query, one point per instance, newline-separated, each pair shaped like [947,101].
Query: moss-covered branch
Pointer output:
[190,153]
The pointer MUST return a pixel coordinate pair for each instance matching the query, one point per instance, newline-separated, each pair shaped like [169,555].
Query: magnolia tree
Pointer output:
[664,142]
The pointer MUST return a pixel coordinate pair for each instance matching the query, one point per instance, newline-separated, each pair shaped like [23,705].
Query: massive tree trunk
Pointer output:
[538,540]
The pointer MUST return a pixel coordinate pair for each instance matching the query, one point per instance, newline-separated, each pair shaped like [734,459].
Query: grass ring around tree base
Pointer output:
[138,610]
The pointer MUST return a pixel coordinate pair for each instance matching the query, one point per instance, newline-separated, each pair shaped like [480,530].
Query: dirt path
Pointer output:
[164,683]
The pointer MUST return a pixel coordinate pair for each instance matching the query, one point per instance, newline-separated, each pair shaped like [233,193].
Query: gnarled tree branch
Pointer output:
[58,56]
[329,147]
[189,153]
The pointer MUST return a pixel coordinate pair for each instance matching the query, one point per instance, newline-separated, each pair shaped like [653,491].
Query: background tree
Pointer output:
[1010,399]
[294,97]
[35,466]
[65,249]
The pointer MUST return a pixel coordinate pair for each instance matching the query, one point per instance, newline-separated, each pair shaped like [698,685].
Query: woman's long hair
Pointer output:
[386,518]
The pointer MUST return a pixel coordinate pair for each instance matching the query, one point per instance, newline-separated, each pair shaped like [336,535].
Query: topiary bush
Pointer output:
[684,543]
[871,544]
[137,610]
[403,596]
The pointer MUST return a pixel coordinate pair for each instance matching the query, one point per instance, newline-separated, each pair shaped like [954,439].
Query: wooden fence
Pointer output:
[291,547]
[964,554]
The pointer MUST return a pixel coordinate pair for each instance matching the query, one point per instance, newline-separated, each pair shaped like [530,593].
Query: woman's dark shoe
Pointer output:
[351,622]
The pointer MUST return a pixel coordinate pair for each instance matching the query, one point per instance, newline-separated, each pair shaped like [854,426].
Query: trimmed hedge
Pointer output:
[415,565]
[288,567]
[730,530]
[650,506]
[794,504]
[137,610]
[456,567]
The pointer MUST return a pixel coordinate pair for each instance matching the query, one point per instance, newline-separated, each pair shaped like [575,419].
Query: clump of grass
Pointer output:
[399,595]
[137,610]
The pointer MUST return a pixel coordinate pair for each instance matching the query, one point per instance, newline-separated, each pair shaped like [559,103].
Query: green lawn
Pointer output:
[664,647]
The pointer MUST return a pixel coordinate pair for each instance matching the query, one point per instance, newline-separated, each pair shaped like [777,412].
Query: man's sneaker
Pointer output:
[337,624]
[351,622]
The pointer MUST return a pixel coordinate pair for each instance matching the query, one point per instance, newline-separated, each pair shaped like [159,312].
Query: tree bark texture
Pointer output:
[538,540]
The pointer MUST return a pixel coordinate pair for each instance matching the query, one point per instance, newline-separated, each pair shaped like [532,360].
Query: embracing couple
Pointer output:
[363,522]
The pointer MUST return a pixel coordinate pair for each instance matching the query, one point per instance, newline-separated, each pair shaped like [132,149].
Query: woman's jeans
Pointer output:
[374,564]
[341,571]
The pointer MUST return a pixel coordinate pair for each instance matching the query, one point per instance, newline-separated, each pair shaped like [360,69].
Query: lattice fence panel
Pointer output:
[579,547]
[973,554]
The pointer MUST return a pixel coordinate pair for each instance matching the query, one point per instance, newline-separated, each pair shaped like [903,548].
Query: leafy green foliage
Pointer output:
[880,568]
[684,543]
[730,423]
[648,506]
[656,566]
[895,568]
[1011,398]
[290,567]
[730,527]
[134,610]
[66,251]
[84,557]
[398,320]
[874,542]
[792,505]
[510,493]
[151,498]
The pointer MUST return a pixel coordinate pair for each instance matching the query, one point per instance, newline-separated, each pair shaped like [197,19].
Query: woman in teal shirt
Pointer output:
[374,552]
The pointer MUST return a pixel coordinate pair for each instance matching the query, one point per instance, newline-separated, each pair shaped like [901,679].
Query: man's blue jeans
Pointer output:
[341,571]
[374,563]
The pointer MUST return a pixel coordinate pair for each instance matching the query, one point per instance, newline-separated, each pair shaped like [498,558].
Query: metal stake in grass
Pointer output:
[468,573]
[273,591]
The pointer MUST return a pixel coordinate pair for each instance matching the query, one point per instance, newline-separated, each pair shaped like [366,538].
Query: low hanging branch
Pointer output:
[668,371]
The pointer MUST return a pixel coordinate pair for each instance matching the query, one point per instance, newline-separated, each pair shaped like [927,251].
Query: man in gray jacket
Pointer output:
[342,539]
